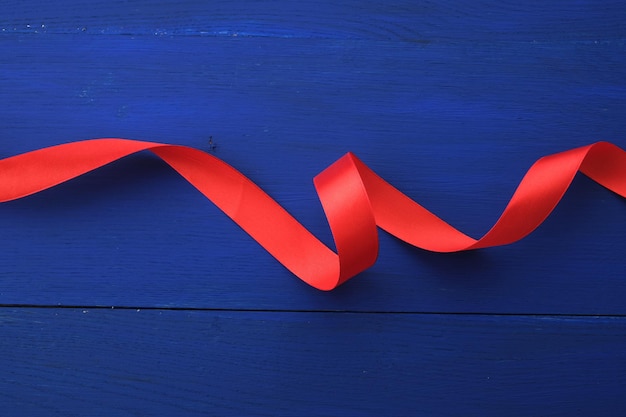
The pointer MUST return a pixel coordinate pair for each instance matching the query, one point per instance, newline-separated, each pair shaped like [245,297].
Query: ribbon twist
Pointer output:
[355,200]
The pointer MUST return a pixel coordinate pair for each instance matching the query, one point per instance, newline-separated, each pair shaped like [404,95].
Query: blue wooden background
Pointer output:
[126,293]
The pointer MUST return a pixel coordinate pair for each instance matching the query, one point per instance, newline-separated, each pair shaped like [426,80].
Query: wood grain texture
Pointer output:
[451,101]
[453,126]
[128,363]
[400,20]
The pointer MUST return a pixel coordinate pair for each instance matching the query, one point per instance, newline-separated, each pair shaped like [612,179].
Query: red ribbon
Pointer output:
[354,198]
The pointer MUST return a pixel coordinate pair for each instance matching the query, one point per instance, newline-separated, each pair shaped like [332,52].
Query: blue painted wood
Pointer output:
[451,101]
[188,363]
[454,126]
[400,20]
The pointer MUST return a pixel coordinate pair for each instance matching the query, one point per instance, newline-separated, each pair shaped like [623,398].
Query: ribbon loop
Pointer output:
[355,200]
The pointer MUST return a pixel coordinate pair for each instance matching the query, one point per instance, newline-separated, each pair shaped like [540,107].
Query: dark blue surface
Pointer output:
[450,102]
[68,362]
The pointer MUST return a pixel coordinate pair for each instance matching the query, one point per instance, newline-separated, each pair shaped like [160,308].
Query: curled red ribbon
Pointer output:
[354,198]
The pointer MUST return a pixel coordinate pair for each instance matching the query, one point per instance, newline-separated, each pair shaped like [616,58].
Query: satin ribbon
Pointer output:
[356,201]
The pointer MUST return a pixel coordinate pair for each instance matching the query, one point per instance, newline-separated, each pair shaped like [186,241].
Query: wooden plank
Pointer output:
[400,20]
[187,363]
[453,126]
